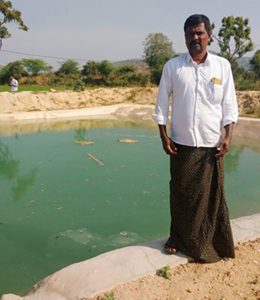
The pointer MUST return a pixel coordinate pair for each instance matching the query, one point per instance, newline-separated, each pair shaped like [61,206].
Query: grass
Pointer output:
[108,296]
[43,88]
[34,88]
[164,272]
[254,116]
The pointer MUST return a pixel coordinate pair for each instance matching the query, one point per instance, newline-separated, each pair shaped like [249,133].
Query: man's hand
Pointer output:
[168,145]
[223,148]
[224,145]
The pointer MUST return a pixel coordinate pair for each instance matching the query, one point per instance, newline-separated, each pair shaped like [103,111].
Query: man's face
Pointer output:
[197,39]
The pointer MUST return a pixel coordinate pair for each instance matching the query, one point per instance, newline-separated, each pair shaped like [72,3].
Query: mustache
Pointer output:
[193,43]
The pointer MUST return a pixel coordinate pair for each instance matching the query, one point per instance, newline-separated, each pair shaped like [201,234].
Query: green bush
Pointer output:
[79,86]
[128,76]
[165,272]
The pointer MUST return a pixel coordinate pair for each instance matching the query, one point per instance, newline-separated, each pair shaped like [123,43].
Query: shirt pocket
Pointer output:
[216,93]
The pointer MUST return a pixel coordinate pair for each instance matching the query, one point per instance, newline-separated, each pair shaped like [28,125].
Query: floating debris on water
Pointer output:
[127,141]
[123,238]
[84,142]
[78,235]
[96,160]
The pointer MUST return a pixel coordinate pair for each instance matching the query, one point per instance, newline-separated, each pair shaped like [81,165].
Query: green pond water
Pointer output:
[59,206]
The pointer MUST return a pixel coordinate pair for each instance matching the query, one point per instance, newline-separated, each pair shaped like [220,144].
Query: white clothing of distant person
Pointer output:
[13,85]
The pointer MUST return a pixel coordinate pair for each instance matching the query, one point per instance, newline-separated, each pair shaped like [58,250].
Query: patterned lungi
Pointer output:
[200,225]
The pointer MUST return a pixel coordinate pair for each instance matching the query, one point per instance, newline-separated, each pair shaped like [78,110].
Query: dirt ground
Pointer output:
[234,279]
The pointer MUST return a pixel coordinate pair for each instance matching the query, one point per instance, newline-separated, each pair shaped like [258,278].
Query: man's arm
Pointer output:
[168,145]
[225,143]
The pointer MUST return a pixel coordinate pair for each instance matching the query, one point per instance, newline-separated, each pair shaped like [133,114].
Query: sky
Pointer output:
[114,30]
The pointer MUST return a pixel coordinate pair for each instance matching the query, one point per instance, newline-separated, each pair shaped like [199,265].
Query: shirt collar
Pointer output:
[206,62]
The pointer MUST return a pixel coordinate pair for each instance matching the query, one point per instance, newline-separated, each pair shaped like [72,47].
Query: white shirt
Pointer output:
[14,85]
[203,99]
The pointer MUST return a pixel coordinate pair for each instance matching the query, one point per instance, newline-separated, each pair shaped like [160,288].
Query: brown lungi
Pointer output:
[200,225]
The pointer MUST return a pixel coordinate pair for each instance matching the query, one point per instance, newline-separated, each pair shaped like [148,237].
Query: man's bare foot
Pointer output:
[169,250]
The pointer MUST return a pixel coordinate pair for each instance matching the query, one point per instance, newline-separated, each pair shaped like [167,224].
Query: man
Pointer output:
[203,102]
[13,84]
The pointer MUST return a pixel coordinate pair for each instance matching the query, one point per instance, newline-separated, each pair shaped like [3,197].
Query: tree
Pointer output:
[34,67]
[255,63]
[234,38]
[69,67]
[12,69]
[90,69]
[97,72]
[91,73]
[157,50]
[9,14]
[128,75]
[105,68]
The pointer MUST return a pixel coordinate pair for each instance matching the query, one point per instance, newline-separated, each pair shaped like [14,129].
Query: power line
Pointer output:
[43,56]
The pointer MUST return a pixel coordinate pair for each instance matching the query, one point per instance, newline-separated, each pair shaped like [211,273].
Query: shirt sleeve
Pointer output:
[229,104]
[161,111]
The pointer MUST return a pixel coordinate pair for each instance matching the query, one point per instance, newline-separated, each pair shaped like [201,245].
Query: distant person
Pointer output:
[13,84]
[201,89]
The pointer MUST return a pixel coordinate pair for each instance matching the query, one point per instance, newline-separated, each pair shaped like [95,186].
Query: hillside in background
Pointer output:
[243,62]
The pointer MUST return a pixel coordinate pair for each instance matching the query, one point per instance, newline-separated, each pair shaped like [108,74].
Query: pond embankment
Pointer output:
[248,101]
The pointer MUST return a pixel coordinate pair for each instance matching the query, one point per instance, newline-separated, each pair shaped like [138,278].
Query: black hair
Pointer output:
[197,19]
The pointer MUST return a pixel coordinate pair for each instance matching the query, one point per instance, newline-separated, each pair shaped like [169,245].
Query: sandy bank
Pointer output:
[249,101]
[68,100]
